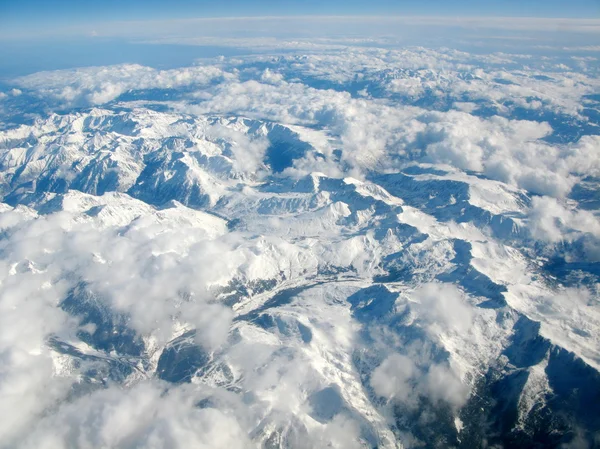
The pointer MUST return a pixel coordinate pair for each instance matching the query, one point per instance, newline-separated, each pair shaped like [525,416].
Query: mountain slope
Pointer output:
[405,308]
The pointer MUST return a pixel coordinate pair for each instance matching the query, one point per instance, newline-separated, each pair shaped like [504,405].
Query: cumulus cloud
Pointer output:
[392,378]
[399,379]
[29,314]
[413,376]
[248,153]
[95,86]
[443,307]
[160,270]
[376,135]
[553,222]
[172,270]
[149,415]
[139,273]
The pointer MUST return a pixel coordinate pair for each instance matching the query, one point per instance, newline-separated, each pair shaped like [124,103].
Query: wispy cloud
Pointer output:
[314,26]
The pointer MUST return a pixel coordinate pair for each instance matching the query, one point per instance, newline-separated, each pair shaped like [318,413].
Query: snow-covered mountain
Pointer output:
[199,266]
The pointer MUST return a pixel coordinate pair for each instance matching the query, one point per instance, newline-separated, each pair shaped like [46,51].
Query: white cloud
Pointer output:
[392,379]
[248,153]
[444,385]
[400,380]
[311,28]
[162,269]
[553,222]
[156,269]
[442,310]
[146,416]
[443,307]
[374,134]
[99,85]
[45,256]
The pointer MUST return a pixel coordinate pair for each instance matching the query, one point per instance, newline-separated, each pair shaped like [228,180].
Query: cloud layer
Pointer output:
[334,248]
[524,144]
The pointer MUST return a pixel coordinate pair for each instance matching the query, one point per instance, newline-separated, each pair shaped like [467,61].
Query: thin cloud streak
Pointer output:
[281,24]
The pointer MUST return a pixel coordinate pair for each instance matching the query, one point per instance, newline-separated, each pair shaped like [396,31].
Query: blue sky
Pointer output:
[50,34]
[27,12]
[40,17]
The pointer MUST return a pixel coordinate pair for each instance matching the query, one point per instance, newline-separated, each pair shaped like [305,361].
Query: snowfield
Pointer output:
[284,254]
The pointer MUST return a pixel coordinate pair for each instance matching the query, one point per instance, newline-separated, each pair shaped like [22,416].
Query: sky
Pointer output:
[40,35]
[35,13]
